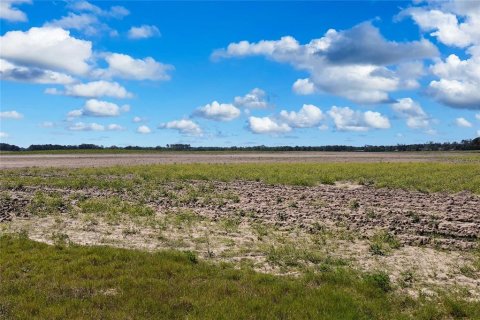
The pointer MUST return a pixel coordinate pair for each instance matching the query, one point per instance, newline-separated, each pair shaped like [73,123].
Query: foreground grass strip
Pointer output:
[427,177]
[38,281]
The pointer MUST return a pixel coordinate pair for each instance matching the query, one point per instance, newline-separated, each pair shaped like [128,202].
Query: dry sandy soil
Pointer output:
[103,160]
[424,241]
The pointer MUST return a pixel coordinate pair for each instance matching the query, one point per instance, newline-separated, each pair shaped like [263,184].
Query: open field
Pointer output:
[105,158]
[244,240]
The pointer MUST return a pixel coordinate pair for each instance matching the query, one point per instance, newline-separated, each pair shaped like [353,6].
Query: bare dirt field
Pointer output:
[105,160]
[423,240]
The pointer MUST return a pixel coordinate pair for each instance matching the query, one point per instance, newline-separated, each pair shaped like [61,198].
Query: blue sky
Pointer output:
[226,73]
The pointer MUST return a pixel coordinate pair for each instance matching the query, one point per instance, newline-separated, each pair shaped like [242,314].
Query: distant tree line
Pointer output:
[473,144]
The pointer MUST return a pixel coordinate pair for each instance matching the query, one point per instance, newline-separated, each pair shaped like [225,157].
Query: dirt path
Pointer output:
[103,160]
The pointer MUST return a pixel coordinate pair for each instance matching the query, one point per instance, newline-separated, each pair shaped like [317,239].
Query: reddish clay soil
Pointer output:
[104,160]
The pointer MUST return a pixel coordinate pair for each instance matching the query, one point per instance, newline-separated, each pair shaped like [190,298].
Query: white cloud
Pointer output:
[138,119]
[74,114]
[12,72]
[87,20]
[478,133]
[117,12]
[47,48]
[143,32]
[462,122]
[309,116]
[477,116]
[184,126]
[47,124]
[10,13]
[352,63]
[255,99]
[459,81]
[218,111]
[457,24]
[94,89]
[3,135]
[346,119]
[126,67]
[412,112]
[86,23]
[82,126]
[98,108]
[143,130]
[454,23]
[11,115]
[266,125]
[115,127]
[303,87]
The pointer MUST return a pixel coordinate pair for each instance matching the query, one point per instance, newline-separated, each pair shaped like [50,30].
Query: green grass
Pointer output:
[38,281]
[427,177]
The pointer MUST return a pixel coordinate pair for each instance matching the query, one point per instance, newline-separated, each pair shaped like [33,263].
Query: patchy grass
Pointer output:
[44,204]
[383,242]
[74,282]
[428,177]
[114,209]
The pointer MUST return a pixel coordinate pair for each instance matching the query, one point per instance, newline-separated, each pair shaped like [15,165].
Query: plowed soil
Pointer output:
[105,160]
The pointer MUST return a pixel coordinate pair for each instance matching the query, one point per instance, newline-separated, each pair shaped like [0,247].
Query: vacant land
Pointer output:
[105,158]
[248,240]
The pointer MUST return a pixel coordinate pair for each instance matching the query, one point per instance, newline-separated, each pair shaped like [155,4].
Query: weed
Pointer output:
[354,204]
[383,242]
[231,224]
[380,279]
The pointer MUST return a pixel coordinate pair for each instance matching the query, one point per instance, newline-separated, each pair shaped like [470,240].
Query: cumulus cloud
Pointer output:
[138,119]
[454,23]
[303,87]
[267,125]
[346,119]
[126,67]
[117,12]
[309,116]
[3,135]
[462,122]
[363,44]
[115,127]
[82,126]
[415,116]
[184,126]
[143,130]
[218,111]
[143,32]
[47,48]
[12,72]
[458,81]
[457,24]
[87,19]
[11,115]
[98,108]
[477,116]
[86,23]
[94,89]
[9,12]
[339,65]
[255,99]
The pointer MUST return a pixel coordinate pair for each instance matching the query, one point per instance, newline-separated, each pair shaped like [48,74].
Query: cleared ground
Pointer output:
[376,240]
[99,159]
